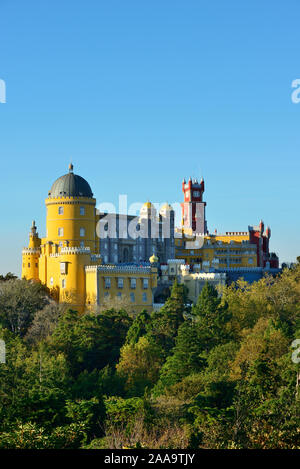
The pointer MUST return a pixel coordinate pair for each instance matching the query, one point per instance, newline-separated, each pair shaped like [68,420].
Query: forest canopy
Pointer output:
[217,375]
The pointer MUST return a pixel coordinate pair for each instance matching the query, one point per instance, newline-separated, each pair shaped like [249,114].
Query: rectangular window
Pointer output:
[51,281]
[82,210]
[107,282]
[60,231]
[145,297]
[119,294]
[145,283]
[132,297]
[60,210]
[82,244]
[82,232]
[106,294]
[63,283]
[63,267]
[133,283]
[120,282]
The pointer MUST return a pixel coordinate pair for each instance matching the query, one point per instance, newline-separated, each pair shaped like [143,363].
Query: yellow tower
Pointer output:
[70,237]
[30,255]
[71,213]
[68,262]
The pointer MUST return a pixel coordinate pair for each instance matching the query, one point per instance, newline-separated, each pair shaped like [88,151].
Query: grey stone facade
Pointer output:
[127,238]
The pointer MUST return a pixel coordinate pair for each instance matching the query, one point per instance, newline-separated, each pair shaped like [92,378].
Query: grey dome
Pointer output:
[70,185]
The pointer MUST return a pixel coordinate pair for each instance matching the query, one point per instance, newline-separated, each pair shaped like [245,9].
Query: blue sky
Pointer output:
[140,94]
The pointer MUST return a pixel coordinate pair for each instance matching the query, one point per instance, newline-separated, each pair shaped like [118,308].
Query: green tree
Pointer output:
[19,301]
[165,322]
[212,317]
[138,327]
[91,340]
[139,365]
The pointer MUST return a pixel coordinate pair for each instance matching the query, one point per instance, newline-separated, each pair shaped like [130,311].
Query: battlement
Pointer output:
[112,268]
[29,251]
[71,250]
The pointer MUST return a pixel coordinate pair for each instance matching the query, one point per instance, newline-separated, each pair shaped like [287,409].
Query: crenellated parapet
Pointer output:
[111,268]
[30,251]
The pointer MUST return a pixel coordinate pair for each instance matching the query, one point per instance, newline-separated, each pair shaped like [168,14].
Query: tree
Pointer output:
[139,365]
[19,301]
[138,327]
[185,358]
[211,316]
[90,341]
[8,276]
[44,322]
[165,322]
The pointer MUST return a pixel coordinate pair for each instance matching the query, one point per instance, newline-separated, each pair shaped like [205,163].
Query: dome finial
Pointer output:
[71,168]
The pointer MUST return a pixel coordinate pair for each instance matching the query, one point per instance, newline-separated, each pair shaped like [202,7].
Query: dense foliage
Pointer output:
[217,375]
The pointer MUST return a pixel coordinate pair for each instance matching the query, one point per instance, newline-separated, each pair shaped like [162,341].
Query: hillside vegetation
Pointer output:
[218,376]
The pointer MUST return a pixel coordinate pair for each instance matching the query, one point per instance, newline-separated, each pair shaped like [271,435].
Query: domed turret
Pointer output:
[153,259]
[166,208]
[70,185]
[148,210]
[71,213]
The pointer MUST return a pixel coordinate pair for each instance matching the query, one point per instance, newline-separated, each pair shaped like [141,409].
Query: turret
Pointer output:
[31,255]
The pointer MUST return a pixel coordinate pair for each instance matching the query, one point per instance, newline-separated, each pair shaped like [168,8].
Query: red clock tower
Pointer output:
[193,207]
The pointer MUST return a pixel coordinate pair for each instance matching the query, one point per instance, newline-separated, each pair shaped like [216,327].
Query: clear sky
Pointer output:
[141,93]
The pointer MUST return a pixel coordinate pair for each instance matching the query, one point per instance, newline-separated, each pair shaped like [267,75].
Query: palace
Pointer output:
[238,253]
[92,259]
[68,259]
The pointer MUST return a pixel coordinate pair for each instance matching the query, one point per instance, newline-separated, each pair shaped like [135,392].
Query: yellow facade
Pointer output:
[67,260]
[126,287]
[230,250]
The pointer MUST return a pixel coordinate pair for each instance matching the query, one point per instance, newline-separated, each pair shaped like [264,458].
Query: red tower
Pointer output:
[193,207]
[261,238]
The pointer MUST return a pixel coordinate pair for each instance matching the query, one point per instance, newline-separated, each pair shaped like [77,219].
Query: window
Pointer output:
[63,283]
[132,297]
[82,232]
[82,211]
[145,297]
[60,210]
[60,231]
[82,244]
[106,294]
[133,283]
[119,294]
[145,283]
[63,267]
[51,281]
[107,282]
[106,259]
[116,258]
[120,282]
[28,264]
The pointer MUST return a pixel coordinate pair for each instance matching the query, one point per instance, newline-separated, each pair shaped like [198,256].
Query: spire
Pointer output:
[33,228]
